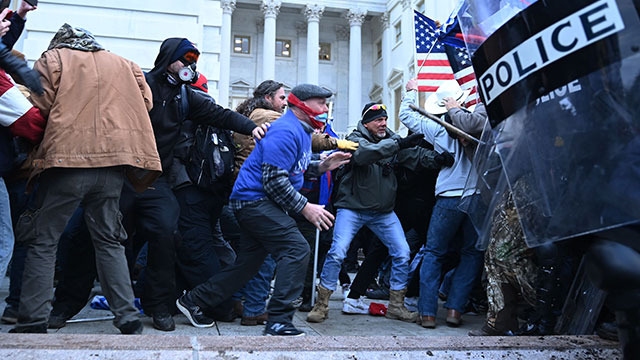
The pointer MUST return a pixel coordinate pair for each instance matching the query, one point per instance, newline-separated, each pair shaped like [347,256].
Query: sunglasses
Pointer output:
[375,107]
[191,57]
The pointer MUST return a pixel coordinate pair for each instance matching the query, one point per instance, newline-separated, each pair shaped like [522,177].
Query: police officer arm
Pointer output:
[203,110]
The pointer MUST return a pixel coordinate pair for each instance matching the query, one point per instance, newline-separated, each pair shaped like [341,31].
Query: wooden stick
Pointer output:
[447,126]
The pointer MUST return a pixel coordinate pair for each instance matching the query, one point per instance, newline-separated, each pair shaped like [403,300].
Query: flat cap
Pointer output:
[308,91]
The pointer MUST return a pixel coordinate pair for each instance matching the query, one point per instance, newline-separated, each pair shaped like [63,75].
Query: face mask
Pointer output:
[312,114]
[188,73]
[322,118]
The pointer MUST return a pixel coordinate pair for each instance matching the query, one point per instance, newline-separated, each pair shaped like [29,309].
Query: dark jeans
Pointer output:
[20,202]
[61,192]
[153,217]
[266,229]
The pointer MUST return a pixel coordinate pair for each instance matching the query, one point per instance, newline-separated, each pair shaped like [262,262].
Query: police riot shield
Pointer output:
[561,83]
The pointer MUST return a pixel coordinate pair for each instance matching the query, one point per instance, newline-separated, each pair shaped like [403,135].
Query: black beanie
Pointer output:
[370,115]
[184,47]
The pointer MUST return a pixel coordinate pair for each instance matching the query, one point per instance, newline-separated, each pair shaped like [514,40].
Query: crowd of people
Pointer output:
[143,182]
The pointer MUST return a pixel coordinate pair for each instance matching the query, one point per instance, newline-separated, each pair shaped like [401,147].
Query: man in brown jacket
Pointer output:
[98,132]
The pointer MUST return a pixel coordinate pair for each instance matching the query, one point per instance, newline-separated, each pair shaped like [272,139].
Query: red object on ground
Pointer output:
[377,309]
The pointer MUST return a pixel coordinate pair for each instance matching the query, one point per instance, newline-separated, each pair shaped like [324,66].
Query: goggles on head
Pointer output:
[375,107]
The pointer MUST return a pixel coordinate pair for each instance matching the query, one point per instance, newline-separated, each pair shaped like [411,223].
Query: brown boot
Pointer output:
[427,321]
[320,311]
[396,308]
[254,320]
[454,317]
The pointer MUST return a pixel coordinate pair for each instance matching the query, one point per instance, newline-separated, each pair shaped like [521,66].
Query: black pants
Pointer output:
[266,229]
[197,260]
[153,217]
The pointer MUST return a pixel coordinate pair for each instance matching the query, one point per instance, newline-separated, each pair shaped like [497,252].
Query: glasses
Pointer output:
[191,57]
[375,107]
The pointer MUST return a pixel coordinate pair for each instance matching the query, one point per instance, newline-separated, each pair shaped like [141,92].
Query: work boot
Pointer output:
[396,308]
[320,311]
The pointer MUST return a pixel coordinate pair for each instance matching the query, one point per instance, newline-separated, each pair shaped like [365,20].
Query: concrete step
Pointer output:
[134,347]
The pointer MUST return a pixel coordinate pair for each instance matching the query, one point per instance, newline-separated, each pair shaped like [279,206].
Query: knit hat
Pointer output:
[373,111]
[307,91]
[183,48]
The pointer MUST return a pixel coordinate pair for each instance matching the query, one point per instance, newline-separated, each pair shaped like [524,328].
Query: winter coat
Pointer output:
[166,117]
[97,107]
[368,182]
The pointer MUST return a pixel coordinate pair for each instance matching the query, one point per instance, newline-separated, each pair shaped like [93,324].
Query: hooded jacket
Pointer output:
[369,182]
[97,107]
[166,117]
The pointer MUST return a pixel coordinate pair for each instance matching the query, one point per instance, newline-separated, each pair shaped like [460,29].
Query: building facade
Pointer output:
[360,50]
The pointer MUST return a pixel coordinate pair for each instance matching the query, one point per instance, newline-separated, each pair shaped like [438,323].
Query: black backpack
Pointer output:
[210,160]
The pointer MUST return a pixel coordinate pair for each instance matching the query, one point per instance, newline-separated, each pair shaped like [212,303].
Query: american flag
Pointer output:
[446,61]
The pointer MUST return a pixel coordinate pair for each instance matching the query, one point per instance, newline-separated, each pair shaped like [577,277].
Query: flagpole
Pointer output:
[426,57]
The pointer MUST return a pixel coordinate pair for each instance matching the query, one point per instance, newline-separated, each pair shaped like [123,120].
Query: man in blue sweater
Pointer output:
[265,193]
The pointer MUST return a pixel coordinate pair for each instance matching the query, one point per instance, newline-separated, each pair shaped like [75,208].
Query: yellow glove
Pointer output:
[347,145]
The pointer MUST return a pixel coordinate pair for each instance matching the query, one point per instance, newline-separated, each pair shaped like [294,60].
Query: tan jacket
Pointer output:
[97,104]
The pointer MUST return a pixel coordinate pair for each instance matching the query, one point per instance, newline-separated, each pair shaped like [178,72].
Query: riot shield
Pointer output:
[561,82]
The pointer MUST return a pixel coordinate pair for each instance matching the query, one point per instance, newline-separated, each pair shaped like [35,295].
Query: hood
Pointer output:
[367,135]
[74,38]
[164,56]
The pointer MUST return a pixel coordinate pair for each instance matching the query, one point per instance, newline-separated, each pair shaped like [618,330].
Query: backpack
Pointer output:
[210,157]
[210,164]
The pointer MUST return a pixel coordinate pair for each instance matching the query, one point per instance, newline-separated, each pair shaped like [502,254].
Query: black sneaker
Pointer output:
[33,329]
[193,312]
[282,329]
[10,314]
[163,321]
[58,319]
[131,327]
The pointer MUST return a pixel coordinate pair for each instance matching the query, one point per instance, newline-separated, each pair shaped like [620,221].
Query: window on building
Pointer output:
[398,28]
[283,48]
[420,7]
[397,98]
[379,50]
[241,44]
[324,53]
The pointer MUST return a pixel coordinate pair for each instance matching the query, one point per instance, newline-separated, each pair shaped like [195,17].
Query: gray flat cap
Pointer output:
[308,91]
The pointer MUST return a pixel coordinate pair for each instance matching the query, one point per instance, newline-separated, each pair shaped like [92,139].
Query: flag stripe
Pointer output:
[432,76]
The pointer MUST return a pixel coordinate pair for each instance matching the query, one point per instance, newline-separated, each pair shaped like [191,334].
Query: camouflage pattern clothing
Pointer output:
[74,38]
[510,267]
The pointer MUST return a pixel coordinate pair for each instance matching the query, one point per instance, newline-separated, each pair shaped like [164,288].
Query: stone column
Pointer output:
[313,13]
[386,62]
[225,51]
[270,8]
[356,18]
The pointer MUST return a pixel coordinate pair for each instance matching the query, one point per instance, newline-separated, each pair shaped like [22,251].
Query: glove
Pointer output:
[444,159]
[19,70]
[347,145]
[410,141]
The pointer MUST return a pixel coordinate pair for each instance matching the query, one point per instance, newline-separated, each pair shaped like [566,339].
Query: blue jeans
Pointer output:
[446,221]
[256,291]
[387,228]
[6,229]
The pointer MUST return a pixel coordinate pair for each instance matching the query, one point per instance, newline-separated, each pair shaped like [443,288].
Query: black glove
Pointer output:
[444,159]
[20,71]
[410,141]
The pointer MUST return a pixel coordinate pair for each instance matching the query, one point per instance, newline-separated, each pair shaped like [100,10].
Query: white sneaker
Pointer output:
[353,306]
[411,303]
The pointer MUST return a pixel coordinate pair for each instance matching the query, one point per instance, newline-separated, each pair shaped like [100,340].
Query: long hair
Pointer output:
[267,87]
